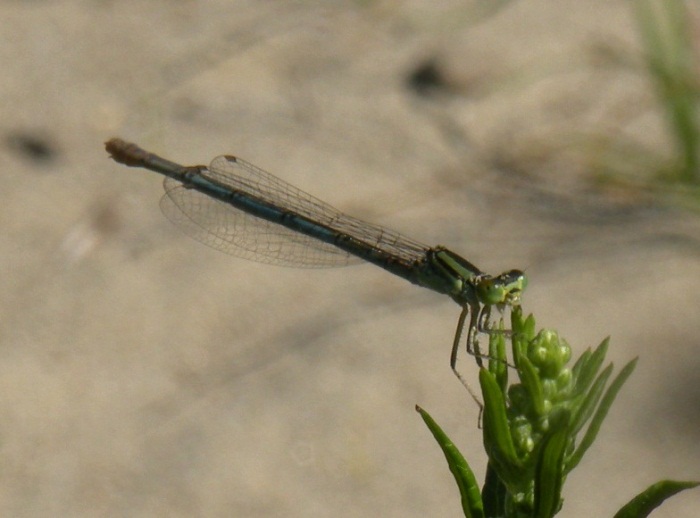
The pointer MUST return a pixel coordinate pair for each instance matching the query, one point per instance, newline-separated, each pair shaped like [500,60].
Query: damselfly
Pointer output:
[237,208]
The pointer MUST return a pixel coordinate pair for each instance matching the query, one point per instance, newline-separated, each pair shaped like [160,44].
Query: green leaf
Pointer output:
[494,494]
[472,505]
[497,353]
[589,369]
[531,380]
[600,414]
[517,324]
[497,439]
[549,476]
[523,332]
[581,363]
[586,408]
[652,497]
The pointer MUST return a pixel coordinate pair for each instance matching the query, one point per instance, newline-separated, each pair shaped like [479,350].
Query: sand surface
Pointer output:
[143,374]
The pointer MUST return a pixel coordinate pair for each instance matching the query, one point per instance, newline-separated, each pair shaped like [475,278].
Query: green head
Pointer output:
[505,289]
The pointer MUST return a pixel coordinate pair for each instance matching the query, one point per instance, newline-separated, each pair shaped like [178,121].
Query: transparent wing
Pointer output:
[226,228]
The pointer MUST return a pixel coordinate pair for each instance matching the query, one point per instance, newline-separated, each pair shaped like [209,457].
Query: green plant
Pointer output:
[531,427]
[670,59]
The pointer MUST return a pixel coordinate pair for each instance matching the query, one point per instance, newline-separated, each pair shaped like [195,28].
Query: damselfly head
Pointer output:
[505,289]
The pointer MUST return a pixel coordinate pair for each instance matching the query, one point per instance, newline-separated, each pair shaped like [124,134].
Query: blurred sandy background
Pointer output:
[143,374]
